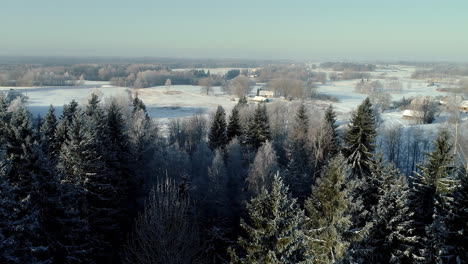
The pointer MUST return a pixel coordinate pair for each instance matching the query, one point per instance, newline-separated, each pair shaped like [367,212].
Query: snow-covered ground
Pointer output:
[187,100]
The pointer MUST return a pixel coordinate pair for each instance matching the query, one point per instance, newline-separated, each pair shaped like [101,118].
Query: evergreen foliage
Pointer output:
[217,136]
[274,231]
[327,211]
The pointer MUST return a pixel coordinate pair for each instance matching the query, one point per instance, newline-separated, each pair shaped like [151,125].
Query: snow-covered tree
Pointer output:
[258,129]
[166,231]
[390,238]
[234,128]
[429,197]
[263,169]
[217,136]
[299,168]
[327,211]
[359,140]
[274,229]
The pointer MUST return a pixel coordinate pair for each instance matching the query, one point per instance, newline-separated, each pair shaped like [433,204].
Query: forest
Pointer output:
[102,183]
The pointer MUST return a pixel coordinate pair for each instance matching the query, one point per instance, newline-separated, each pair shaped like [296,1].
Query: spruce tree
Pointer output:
[330,121]
[327,209]
[273,230]
[258,129]
[429,197]
[48,130]
[217,136]
[8,214]
[242,101]
[455,249]
[390,238]
[299,168]
[234,128]
[359,140]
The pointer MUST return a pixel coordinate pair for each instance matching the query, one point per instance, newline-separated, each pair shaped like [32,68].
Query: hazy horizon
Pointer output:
[305,30]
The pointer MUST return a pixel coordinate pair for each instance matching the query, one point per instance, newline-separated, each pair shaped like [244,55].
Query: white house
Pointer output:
[259,99]
[412,114]
[266,94]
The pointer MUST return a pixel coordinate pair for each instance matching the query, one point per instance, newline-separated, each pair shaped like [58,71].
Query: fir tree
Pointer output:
[428,197]
[390,238]
[455,249]
[330,121]
[8,214]
[274,230]
[48,130]
[327,208]
[359,140]
[234,128]
[258,129]
[217,136]
[299,169]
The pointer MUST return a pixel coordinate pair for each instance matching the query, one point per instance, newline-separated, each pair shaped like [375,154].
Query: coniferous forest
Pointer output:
[102,182]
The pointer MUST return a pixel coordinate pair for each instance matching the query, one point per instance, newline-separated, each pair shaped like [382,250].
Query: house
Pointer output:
[259,99]
[412,114]
[463,106]
[266,94]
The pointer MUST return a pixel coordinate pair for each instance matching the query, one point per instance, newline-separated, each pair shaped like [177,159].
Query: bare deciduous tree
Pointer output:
[166,231]
[263,168]
[206,84]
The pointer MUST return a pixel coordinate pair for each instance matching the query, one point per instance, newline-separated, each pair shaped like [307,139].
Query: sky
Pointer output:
[254,29]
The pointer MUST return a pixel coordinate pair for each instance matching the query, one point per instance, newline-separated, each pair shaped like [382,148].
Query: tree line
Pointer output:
[101,184]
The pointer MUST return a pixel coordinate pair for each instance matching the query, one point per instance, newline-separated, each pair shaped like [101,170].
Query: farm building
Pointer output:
[412,114]
[266,94]
[464,106]
[259,99]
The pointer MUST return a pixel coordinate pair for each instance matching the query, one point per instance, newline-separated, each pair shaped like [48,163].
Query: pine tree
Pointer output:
[234,128]
[327,209]
[258,129]
[299,169]
[274,231]
[429,196]
[217,136]
[359,140]
[330,121]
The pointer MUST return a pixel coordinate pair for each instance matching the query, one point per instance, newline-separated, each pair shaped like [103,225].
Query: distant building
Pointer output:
[412,114]
[464,106]
[266,94]
[259,99]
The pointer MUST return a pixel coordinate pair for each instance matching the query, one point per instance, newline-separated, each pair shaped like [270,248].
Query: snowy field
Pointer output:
[187,100]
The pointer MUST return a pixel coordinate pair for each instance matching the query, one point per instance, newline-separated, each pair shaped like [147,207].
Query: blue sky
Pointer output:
[294,29]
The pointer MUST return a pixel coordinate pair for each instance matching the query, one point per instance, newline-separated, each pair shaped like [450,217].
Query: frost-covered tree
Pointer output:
[390,238]
[166,231]
[455,248]
[48,130]
[217,137]
[299,168]
[327,211]
[263,169]
[258,129]
[234,128]
[274,229]
[359,140]
[330,121]
[429,197]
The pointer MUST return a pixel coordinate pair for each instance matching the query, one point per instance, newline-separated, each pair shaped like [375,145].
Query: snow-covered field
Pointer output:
[187,100]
